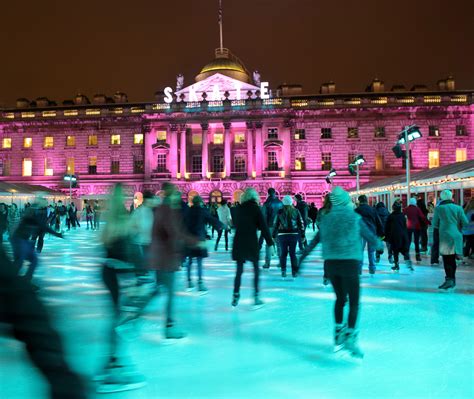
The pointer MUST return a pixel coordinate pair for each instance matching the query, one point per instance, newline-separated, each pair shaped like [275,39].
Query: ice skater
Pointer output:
[396,236]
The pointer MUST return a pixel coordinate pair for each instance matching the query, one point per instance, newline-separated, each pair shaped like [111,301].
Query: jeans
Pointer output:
[371,255]
[226,238]
[268,248]
[416,234]
[25,250]
[238,277]
[199,267]
[166,279]
[345,282]
[288,245]
[449,262]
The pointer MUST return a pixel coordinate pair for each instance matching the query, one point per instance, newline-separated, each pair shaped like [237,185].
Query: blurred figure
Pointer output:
[270,209]
[383,213]
[415,219]
[13,219]
[396,235]
[449,219]
[289,228]
[213,212]
[313,214]
[224,215]
[97,214]
[27,321]
[3,220]
[61,214]
[342,230]
[89,212]
[196,219]
[72,212]
[302,207]
[468,231]
[248,218]
[420,203]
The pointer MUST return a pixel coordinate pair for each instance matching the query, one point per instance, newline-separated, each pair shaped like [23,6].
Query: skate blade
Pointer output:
[256,307]
[113,388]
[338,348]
[201,293]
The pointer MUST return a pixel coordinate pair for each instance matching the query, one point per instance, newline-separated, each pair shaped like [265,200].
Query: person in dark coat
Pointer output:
[248,218]
[383,215]
[270,209]
[313,214]
[396,234]
[3,220]
[415,219]
[302,207]
[420,203]
[196,219]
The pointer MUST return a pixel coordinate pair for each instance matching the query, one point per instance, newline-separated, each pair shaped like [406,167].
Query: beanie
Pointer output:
[446,195]
[339,196]
[412,201]
[287,200]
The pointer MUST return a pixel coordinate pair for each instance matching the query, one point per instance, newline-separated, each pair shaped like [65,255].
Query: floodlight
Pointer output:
[412,132]
[359,159]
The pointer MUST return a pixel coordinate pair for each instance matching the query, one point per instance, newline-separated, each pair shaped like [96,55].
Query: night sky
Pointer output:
[59,48]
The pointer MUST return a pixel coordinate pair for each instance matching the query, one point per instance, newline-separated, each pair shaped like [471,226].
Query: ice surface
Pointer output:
[418,343]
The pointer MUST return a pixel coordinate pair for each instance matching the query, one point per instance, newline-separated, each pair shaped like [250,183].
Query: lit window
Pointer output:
[272,133]
[218,163]
[433,158]
[239,164]
[48,167]
[92,140]
[300,163]
[461,154]
[27,142]
[27,167]
[461,130]
[379,162]
[379,132]
[352,132]
[218,138]
[115,139]
[7,142]
[197,139]
[70,141]
[326,162]
[300,134]
[433,131]
[49,142]
[161,163]
[272,160]
[196,165]
[70,166]
[161,136]
[239,138]
[326,133]
[92,169]
[138,138]
[115,167]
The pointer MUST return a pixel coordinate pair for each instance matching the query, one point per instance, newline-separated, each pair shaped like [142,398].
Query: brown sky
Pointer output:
[57,48]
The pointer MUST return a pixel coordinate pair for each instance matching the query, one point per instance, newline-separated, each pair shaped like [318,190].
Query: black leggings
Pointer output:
[238,276]
[449,262]
[344,276]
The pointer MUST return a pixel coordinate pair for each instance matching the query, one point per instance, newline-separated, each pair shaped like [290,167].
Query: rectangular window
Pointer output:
[27,167]
[92,140]
[326,133]
[6,167]
[272,133]
[218,163]
[461,130]
[433,158]
[196,165]
[300,134]
[161,163]
[218,138]
[161,136]
[379,162]
[461,154]
[300,163]
[92,166]
[49,142]
[138,138]
[239,138]
[433,131]
[239,164]
[115,139]
[115,167]
[272,160]
[197,139]
[27,142]
[326,162]
[48,167]
[138,165]
[379,132]
[70,166]
[352,133]
[7,143]
[70,141]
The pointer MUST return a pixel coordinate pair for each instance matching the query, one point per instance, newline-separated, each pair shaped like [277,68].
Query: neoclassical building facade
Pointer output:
[228,131]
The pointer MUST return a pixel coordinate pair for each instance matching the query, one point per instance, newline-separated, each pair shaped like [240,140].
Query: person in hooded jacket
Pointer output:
[415,219]
[383,213]
[396,235]
[270,209]
[289,228]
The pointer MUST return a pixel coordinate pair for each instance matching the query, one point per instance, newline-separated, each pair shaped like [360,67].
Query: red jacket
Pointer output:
[415,217]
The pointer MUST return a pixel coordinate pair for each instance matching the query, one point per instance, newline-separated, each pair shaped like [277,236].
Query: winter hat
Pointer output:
[397,206]
[412,201]
[446,195]
[339,196]
[287,200]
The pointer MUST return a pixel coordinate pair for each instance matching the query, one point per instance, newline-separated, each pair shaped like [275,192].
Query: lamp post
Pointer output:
[358,160]
[70,179]
[330,175]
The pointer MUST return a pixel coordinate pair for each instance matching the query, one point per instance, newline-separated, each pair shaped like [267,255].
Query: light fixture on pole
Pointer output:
[71,179]
[330,175]
[407,135]
[354,168]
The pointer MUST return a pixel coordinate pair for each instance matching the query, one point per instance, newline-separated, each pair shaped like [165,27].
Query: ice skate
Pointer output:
[235,299]
[172,332]
[190,285]
[448,285]
[121,378]
[350,344]
[202,289]
[339,337]
[258,303]
[395,268]
[283,274]
[409,265]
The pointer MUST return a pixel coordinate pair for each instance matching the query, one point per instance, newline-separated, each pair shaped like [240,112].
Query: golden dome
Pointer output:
[226,64]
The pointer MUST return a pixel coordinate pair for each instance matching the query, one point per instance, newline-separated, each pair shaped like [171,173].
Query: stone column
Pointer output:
[287,148]
[205,150]
[182,152]
[227,149]
[173,162]
[258,149]
[149,140]
[249,140]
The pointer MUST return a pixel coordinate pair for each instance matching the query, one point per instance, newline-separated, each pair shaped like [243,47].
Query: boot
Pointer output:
[201,286]
[258,302]
[172,332]
[449,284]
[235,299]
[283,273]
[339,336]
[351,344]
[395,267]
[190,285]
[409,265]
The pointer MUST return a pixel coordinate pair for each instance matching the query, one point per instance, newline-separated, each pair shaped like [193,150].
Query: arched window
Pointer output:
[236,196]
[191,195]
[215,197]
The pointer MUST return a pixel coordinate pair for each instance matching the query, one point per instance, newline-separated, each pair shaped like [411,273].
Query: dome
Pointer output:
[226,64]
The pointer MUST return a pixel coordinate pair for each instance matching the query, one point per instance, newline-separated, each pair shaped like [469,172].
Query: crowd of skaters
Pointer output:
[147,244]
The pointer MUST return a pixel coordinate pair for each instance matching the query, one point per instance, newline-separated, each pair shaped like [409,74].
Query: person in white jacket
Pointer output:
[223,213]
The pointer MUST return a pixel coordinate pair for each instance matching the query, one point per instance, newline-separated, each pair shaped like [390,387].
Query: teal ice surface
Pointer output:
[418,343]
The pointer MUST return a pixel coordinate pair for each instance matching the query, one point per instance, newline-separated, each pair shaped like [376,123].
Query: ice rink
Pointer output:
[418,342]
